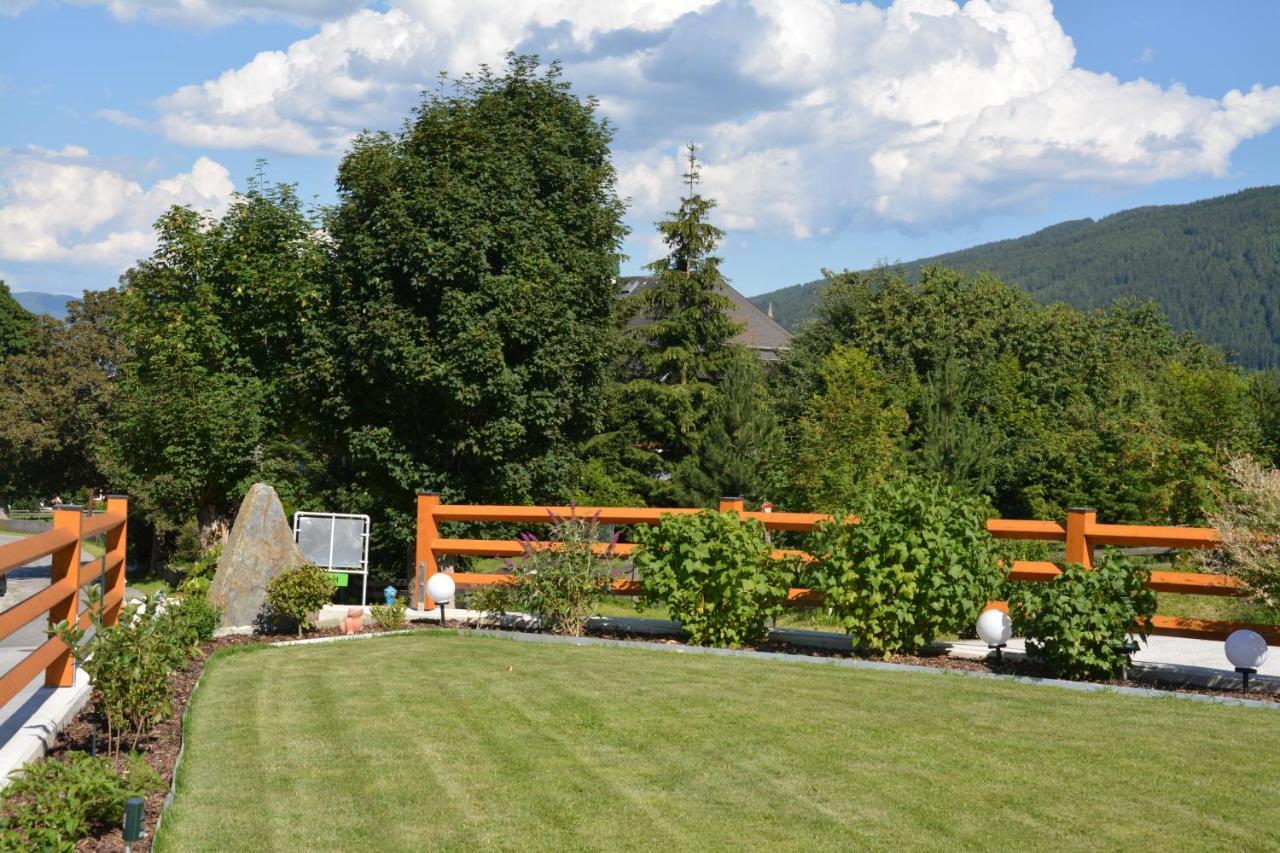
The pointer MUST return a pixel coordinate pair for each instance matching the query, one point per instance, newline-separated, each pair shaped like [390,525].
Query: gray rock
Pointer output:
[260,547]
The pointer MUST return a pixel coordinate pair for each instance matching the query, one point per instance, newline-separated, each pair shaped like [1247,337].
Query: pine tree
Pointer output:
[953,443]
[677,357]
[739,444]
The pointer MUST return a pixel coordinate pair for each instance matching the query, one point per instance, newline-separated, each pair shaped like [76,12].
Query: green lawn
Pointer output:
[437,741]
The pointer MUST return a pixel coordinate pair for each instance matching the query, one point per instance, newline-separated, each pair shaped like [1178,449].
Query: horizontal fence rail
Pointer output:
[1080,534]
[61,598]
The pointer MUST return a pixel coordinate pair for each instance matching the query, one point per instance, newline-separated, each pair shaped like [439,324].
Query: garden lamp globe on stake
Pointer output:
[1247,650]
[440,588]
[995,629]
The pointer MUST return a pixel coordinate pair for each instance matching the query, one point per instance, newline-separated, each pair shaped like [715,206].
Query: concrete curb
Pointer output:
[33,740]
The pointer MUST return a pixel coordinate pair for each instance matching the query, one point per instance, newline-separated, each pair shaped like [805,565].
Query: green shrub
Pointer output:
[918,564]
[296,595]
[129,665]
[389,616]
[52,804]
[560,580]
[715,574]
[193,618]
[1078,623]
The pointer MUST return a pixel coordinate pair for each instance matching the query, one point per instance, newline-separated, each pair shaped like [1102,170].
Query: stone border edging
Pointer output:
[182,748]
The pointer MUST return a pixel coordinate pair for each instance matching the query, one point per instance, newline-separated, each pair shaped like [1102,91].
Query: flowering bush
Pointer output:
[560,580]
[1249,528]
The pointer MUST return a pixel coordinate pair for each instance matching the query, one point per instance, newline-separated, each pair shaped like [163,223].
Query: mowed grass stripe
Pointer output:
[328,747]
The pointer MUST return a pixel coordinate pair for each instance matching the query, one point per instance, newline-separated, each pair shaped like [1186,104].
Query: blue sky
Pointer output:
[835,134]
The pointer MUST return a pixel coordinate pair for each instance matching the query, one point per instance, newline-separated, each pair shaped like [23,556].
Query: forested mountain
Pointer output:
[1212,265]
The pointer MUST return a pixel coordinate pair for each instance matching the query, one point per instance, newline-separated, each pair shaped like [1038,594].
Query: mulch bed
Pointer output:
[162,745]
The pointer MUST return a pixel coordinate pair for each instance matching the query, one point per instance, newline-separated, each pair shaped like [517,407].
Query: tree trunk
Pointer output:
[215,528]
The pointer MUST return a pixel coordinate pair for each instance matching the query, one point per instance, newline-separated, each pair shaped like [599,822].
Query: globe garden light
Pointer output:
[1247,651]
[995,628]
[440,587]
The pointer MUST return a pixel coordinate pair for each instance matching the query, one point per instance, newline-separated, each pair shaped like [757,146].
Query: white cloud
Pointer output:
[61,206]
[813,114]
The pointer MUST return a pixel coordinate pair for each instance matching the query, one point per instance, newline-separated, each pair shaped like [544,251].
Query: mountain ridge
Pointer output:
[1213,265]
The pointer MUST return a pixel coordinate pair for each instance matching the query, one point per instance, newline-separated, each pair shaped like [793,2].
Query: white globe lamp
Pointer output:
[440,587]
[995,628]
[1247,651]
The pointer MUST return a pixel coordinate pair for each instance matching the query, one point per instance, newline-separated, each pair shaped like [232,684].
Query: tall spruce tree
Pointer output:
[952,442]
[739,443]
[679,353]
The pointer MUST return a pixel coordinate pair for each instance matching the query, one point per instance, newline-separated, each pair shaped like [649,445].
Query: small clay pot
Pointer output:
[353,623]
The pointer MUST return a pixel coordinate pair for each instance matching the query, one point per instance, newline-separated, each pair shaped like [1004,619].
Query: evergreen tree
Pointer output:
[678,355]
[739,443]
[951,440]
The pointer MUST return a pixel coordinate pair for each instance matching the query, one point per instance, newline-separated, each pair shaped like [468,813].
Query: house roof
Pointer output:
[760,332]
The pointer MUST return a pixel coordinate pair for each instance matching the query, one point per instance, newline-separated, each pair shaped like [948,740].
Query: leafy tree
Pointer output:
[225,327]
[846,439]
[17,326]
[1111,408]
[56,399]
[679,352]
[475,259]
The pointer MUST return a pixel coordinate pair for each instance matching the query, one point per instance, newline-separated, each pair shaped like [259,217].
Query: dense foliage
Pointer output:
[1079,623]
[222,325]
[1213,267]
[475,255]
[56,400]
[918,563]
[559,580]
[16,325]
[1038,408]
[53,804]
[129,663]
[390,616]
[715,573]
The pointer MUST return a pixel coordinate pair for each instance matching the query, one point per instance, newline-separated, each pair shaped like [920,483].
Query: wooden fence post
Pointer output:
[1080,521]
[66,573]
[424,556]
[116,547]
[731,504]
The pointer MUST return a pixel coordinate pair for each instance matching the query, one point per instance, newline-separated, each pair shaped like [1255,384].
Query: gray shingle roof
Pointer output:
[760,332]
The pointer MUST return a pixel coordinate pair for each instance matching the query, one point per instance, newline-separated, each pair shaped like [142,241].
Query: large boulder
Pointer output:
[260,547]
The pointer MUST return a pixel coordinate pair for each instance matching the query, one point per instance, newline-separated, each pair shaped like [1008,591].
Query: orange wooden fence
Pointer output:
[1081,533]
[61,598]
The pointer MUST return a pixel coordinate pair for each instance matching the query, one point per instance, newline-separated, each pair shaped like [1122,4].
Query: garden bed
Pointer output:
[162,745]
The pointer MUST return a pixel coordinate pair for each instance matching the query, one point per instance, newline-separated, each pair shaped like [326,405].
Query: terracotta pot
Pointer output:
[353,623]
